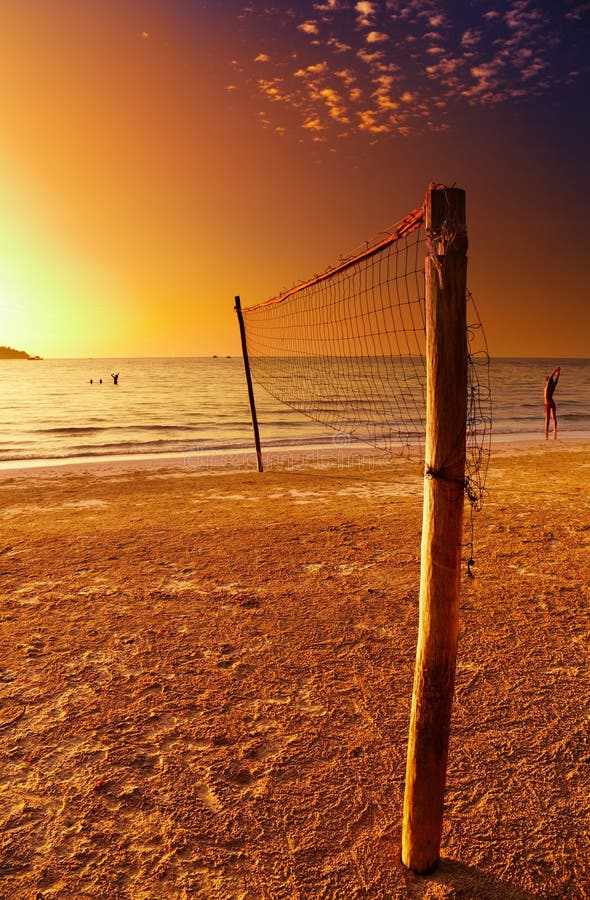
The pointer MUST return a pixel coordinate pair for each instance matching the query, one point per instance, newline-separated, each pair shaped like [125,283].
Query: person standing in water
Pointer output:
[550,385]
[115,377]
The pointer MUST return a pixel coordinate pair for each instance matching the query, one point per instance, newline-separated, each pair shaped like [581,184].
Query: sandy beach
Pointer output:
[206,675]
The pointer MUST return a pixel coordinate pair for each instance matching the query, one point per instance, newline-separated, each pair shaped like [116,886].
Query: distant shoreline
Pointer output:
[11,353]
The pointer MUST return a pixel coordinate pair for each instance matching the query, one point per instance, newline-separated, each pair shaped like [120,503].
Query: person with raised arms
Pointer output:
[550,385]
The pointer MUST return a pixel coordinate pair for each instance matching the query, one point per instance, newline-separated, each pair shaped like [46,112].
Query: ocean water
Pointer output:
[50,411]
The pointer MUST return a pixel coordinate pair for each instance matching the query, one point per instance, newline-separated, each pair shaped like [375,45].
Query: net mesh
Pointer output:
[347,349]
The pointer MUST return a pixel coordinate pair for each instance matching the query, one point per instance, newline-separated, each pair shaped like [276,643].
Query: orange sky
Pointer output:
[159,157]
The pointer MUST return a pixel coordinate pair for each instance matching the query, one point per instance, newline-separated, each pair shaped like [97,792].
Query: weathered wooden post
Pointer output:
[446,409]
[238,309]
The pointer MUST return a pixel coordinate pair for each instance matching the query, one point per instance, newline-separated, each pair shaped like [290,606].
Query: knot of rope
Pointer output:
[472,494]
[438,240]
[444,474]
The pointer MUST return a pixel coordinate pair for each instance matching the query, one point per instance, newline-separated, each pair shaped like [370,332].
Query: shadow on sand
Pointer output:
[456,879]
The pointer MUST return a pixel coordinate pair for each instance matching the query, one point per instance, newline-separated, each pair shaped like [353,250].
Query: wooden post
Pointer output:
[446,410]
[238,309]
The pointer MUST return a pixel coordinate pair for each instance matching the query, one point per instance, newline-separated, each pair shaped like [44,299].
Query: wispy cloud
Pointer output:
[328,6]
[578,12]
[376,37]
[382,67]
[471,37]
[365,12]
[309,27]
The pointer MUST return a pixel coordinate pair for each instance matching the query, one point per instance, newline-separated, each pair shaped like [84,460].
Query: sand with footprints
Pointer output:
[205,681]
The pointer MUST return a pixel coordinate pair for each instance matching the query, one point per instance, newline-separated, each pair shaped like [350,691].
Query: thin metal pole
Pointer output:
[446,407]
[238,309]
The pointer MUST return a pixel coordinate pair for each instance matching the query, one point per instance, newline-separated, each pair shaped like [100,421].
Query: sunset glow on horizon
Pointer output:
[160,158]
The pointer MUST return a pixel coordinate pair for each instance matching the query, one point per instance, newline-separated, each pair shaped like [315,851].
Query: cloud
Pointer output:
[577,13]
[366,11]
[337,46]
[309,27]
[383,94]
[376,37]
[521,17]
[445,67]
[377,67]
[273,89]
[534,69]
[368,121]
[348,76]
[370,57]
[486,74]
[328,6]
[313,124]
[336,108]
[317,69]
[471,37]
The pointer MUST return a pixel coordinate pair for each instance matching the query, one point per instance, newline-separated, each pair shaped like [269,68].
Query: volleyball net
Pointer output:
[347,349]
